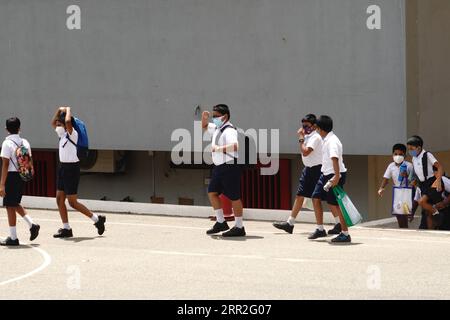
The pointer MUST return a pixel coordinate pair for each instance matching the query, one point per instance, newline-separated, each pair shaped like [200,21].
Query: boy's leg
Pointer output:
[402,221]
[429,209]
[238,210]
[12,221]
[336,210]
[34,228]
[61,202]
[99,221]
[298,204]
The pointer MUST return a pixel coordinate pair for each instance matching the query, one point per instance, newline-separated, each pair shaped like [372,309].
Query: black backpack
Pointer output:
[247,162]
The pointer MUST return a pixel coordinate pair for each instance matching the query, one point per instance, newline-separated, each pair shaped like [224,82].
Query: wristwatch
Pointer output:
[301,140]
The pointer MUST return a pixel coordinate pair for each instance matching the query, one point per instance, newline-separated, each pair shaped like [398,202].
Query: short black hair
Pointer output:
[325,123]
[311,118]
[13,125]
[415,141]
[222,109]
[399,147]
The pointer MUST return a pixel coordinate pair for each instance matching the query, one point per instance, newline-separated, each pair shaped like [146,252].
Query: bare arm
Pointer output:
[205,120]
[305,151]
[384,183]
[337,172]
[5,165]
[55,117]
[68,120]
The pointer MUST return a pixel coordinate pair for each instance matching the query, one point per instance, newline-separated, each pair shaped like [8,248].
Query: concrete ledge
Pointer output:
[171,210]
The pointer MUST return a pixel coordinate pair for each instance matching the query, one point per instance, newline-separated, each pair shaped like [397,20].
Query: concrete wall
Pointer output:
[428,43]
[137,69]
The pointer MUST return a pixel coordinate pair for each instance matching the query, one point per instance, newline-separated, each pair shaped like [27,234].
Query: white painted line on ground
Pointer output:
[47,261]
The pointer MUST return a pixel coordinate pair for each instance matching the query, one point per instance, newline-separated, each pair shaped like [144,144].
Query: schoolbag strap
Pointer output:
[226,127]
[425,165]
[68,139]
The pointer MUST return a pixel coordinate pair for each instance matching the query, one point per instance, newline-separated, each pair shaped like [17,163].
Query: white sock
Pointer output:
[13,233]
[238,221]
[94,217]
[336,219]
[320,227]
[345,233]
[291,221]
[219,215]
[66,226]
[28,219]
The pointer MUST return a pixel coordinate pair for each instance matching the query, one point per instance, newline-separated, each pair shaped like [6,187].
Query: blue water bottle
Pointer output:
[403,169]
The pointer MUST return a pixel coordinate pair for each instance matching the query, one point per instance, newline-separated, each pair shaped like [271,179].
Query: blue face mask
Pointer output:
[218,121]
[414,153]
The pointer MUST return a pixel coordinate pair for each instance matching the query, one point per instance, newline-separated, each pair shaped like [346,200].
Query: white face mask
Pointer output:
[60,130]
[399,159]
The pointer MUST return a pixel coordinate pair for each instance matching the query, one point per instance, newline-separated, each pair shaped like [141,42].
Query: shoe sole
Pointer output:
[287,231]
[37,234]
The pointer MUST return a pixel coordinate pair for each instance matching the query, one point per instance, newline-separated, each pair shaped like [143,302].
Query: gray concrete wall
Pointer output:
[137,68]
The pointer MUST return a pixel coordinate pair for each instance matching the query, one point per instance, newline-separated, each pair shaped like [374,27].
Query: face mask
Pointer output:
[414,153]
[399,159]
[218,121]
[308,129]
[60,130]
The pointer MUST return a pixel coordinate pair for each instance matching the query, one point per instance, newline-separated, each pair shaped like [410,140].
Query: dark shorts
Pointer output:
[69,178]
[433,195]
[13,189]
[226,179]
[308,181]
[329,196]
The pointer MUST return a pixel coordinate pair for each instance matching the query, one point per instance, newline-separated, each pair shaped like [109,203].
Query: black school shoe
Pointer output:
[100,224]
[10,242]
[337,229]
[284,226]
[234,232]
[342,238]
[318,234]
[63,233]
[218,227]
[34,231]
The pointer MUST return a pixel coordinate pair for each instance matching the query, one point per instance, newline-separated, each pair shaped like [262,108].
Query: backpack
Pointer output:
[24,162]
[247,162]
[83,140]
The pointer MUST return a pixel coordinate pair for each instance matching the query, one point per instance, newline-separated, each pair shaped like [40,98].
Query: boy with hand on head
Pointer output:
[11,184]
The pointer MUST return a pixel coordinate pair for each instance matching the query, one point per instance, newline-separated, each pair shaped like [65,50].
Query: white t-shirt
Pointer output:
[9,150]
[418,168]
[228,136]
[393,171]
[332,148]
[315,142]
[67,150]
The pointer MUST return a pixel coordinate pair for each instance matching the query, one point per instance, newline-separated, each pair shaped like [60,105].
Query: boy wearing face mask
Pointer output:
[429,182]
[311,150]
[69,174]
[226,174]
[401,173]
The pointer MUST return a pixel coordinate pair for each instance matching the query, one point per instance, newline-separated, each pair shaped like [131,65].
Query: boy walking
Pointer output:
[226,174]
[430,182]
[311,151]
[69,174]
[400,172]
[334,173]
[11,184]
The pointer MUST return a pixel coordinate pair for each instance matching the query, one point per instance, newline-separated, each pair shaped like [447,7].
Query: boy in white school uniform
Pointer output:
[311,150]
[11,184]
[333,170]
[429,172]
[69,174]
[226,174]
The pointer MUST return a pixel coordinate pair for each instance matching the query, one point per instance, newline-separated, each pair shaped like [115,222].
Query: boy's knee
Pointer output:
[72,203]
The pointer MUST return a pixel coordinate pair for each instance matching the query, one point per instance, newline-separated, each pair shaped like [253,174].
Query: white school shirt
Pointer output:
[315,142]
[9,150]
[228,136]
[418,168]
[393,171]
[332,148]
[67,151]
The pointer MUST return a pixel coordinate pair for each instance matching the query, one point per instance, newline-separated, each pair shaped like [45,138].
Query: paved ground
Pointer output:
[148,257]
